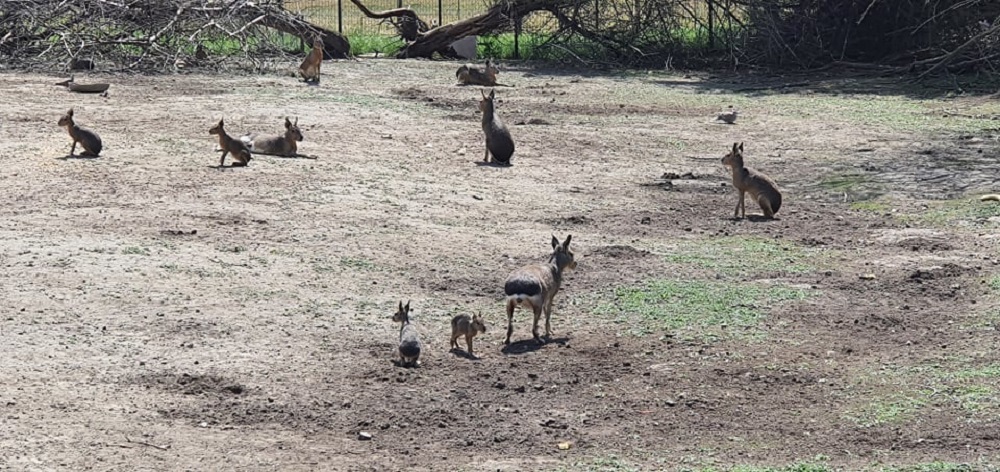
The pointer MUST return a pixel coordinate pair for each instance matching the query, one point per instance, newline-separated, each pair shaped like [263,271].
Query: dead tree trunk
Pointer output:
[406,21]
[438,40]
[502,14]
[335,46]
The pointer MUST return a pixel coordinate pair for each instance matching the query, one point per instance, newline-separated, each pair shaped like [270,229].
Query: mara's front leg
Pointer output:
[740,206]
[548,316]
[222,160]
[72,149]
[468,342]
[486,158]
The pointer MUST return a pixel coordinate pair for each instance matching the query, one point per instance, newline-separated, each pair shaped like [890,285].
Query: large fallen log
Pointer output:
[335,45]
[502,15]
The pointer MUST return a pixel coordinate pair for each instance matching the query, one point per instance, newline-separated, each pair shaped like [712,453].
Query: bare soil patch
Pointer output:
[239,319]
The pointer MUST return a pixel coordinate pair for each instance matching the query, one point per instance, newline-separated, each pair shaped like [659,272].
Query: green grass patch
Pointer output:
[357,263]
[699,310]
[895,409]
[952,213]
[136,251]
[844,183]
[961,385]
[994,283]
[871,206]
[797,467]
[745,256]
[383,45]
[819,467]
[601,464]
[936,467]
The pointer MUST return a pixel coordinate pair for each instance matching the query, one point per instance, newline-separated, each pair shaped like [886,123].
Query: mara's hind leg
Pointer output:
[510,320]
[765,205]
[534,327]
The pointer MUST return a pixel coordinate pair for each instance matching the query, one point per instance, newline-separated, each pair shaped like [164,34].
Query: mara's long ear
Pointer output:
[493,93]
[288,123]
[400,305]
[735,148]
[70,112]
[406,309]
[741,146]
[482,93]
[566,242]
[555,242]
[296,121]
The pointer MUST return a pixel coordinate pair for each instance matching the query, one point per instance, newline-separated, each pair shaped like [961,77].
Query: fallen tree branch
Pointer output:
[407,22]
[500,16]
[147,34]
[944,60]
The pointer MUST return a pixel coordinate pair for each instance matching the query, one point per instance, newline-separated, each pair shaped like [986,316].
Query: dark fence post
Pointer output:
[340,17]
[711,25]
[517,37]
[440,14]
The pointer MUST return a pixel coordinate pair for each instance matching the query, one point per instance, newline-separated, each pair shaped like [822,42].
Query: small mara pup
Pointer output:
[536,285]
[88,139]
[239,149]
[499,144]
[409,338]
[309,69]
[462,325]
[746,180]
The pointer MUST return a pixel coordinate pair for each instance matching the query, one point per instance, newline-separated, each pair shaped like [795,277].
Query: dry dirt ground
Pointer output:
[159,313]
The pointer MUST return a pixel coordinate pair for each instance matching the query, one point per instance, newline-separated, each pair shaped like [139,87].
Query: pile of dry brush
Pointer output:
[152,34]
[921,36]
[917,36]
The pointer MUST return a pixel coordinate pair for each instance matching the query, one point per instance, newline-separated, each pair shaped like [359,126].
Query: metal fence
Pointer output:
[344,17]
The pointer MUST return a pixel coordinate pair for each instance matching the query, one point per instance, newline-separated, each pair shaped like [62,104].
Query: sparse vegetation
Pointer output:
[698,309]
[746,257]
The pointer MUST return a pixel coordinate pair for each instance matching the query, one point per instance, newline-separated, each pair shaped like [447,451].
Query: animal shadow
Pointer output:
[493,164]
[461,353]
[296,156]
[230,166]
[77,156]
[756,219]
[525,346]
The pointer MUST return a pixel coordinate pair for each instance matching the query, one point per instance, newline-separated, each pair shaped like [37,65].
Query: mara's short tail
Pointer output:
[458,73]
